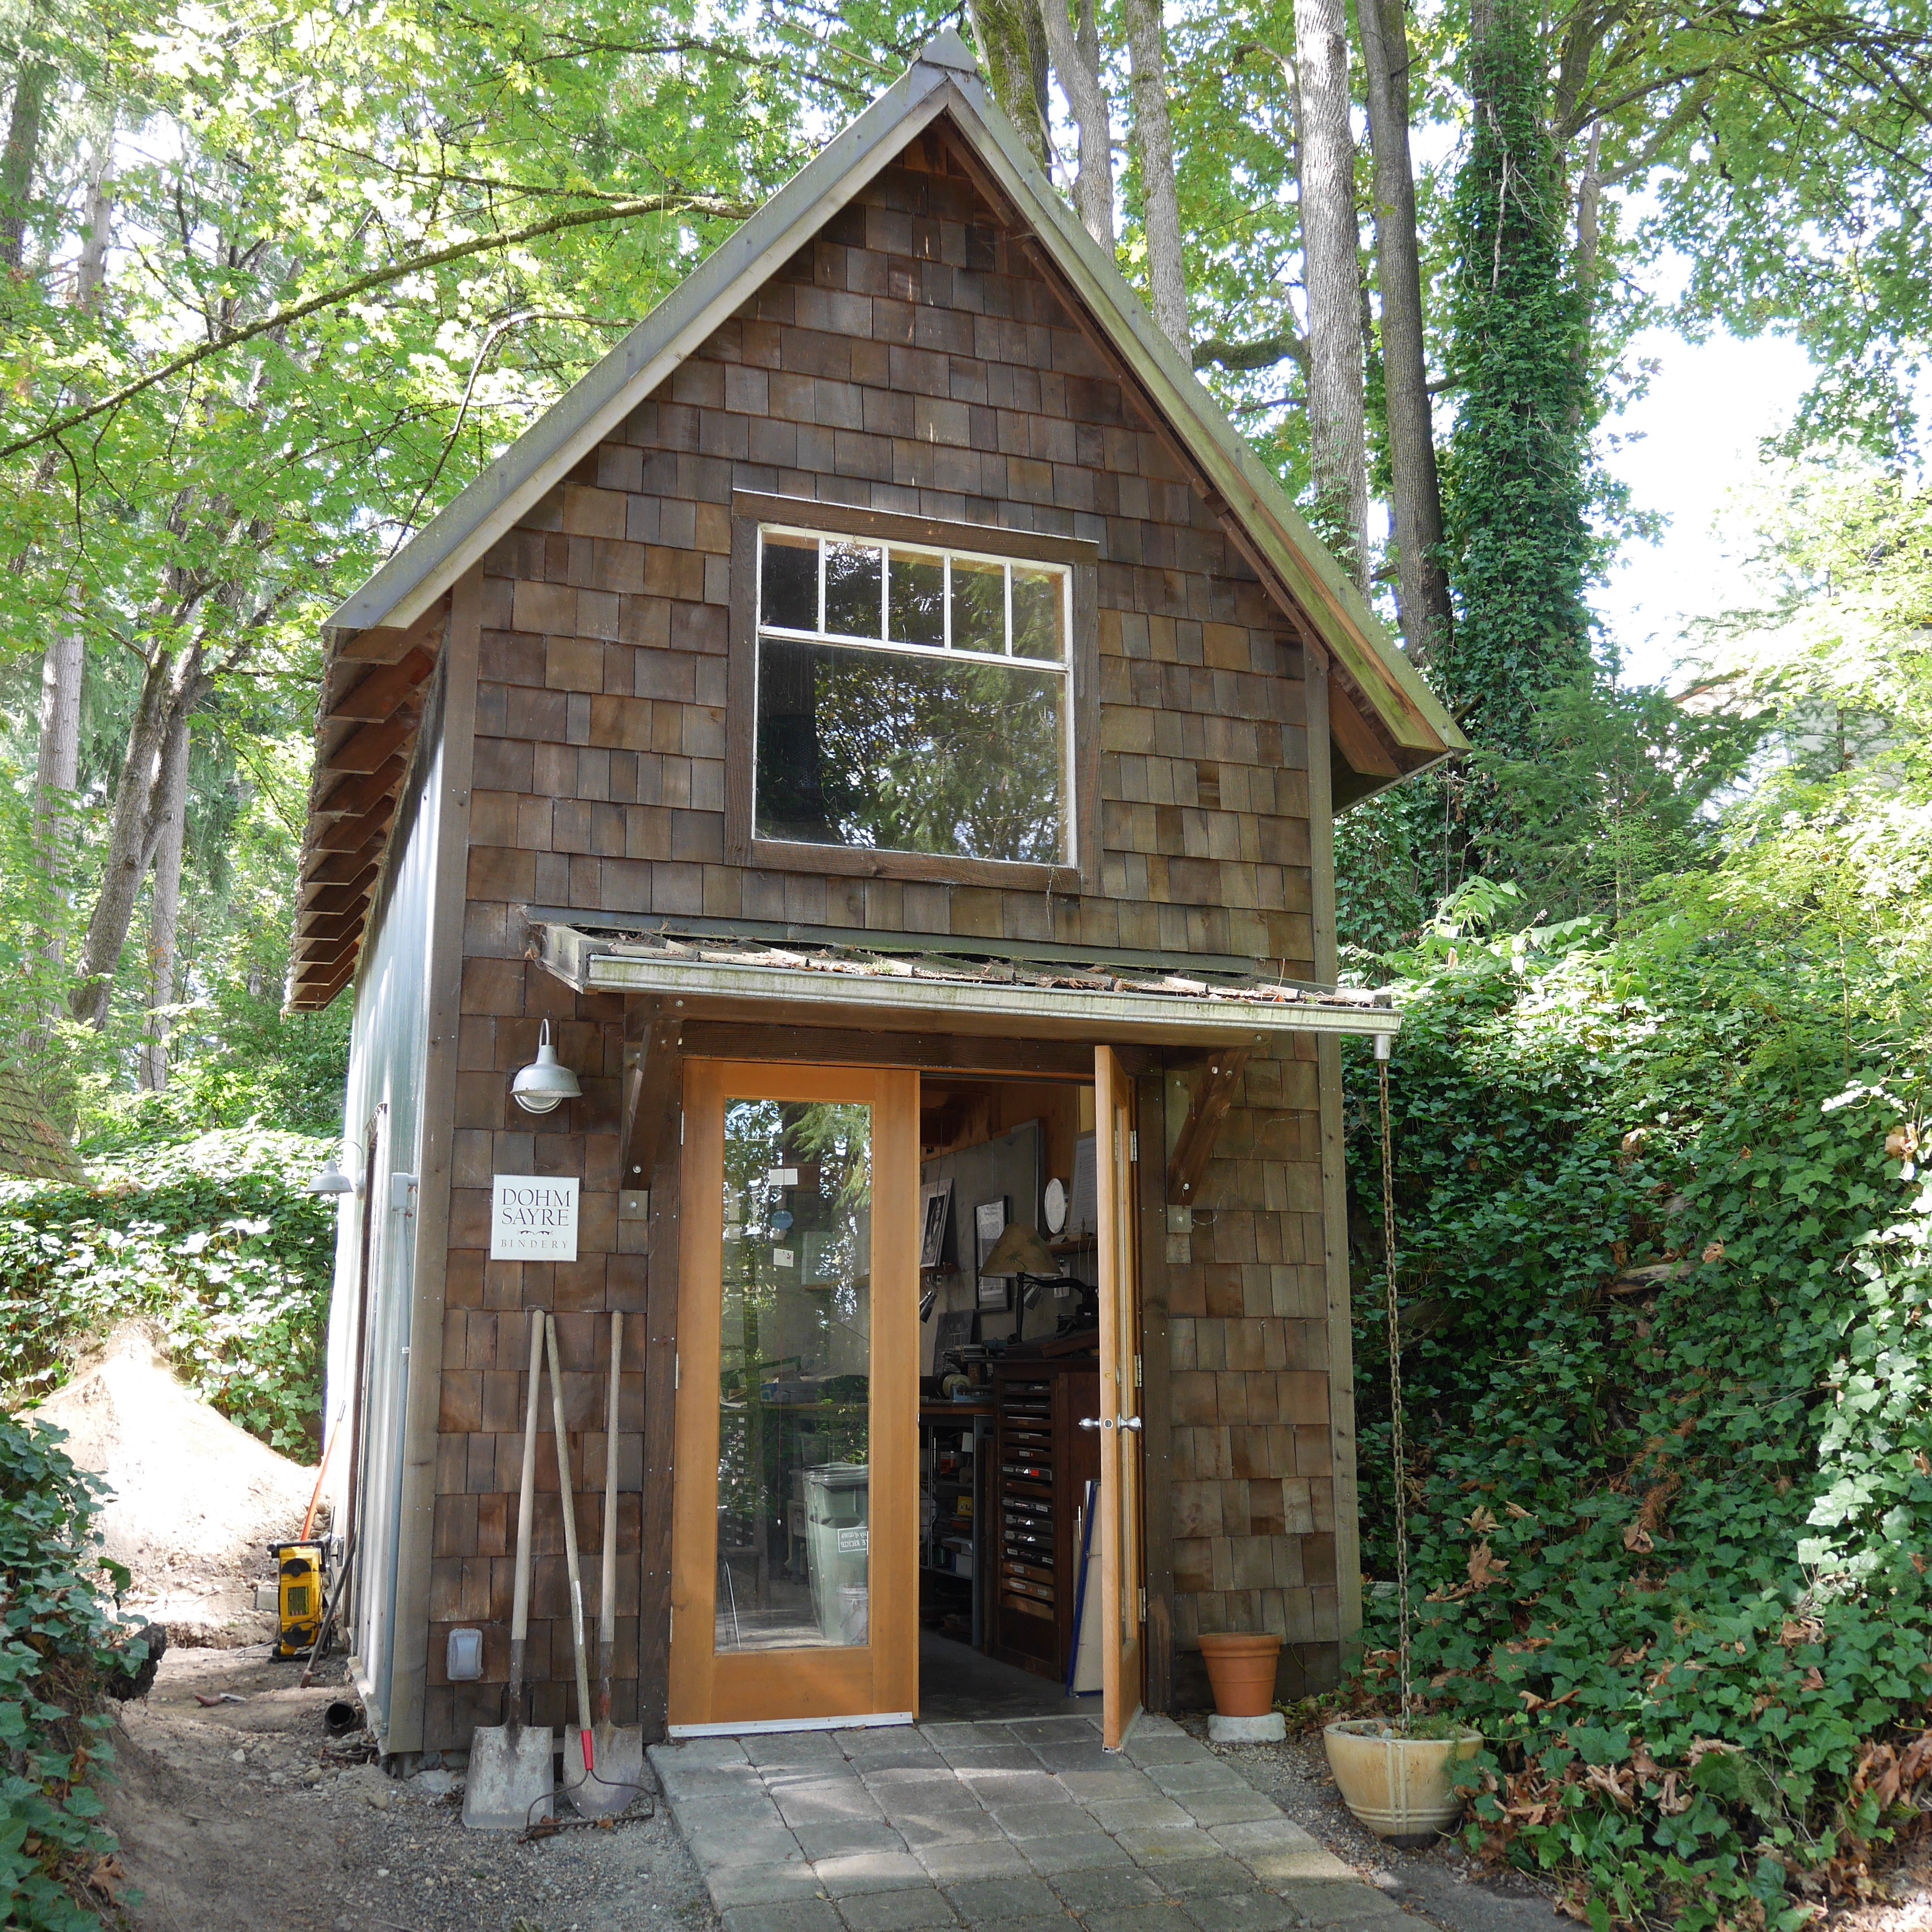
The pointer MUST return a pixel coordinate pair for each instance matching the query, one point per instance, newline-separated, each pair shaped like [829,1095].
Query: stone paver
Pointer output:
[1020,1826]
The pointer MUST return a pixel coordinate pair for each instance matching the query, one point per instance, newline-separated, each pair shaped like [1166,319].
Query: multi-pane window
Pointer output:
[913,699]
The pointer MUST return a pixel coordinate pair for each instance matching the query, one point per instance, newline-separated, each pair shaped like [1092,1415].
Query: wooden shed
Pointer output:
[886,727]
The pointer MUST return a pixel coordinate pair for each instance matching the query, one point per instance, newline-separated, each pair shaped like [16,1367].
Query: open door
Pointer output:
[1122,1454]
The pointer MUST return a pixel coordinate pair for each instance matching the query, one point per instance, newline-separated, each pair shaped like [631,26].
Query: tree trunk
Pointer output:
[1329,245]
[1422,584]
[1076,59]
[1154,148]
[63,664]
[1012,36]
[164,906]
[172,686]
[21,155]
[58,771]
[1589,216]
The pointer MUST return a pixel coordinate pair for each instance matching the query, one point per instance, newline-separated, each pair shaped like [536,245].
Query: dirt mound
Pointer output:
[196,1500]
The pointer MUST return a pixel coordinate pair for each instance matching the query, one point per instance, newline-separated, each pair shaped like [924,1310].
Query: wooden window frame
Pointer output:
[749,509]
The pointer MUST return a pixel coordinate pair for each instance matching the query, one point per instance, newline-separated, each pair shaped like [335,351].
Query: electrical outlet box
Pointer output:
[465,1656]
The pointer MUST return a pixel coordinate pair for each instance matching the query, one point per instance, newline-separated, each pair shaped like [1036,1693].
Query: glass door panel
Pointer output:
[795,1377]
[795,1508]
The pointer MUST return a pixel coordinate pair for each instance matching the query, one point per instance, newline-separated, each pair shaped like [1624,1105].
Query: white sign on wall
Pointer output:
[533,1218]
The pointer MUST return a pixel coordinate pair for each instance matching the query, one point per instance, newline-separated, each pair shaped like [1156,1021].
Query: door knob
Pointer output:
[1132,1422]
[1098,1422]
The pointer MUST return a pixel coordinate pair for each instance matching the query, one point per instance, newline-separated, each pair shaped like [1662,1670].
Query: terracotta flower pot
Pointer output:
[1241,1669]
[1397,1785]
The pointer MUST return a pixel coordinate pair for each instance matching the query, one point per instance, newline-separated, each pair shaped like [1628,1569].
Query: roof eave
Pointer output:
[1415,717]
[703,989]
[463,532]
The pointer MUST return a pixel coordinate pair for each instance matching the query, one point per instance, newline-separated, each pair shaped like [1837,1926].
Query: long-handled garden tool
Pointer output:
[510,1783]
[618,1750]
[584,1737]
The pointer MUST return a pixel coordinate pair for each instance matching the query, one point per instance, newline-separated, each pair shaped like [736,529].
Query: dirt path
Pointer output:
[240,1815]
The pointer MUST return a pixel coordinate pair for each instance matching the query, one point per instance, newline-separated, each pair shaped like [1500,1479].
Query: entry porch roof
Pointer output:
[899,984]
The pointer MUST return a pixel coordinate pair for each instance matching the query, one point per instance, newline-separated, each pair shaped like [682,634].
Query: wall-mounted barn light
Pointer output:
[539,1087]
[329,1179]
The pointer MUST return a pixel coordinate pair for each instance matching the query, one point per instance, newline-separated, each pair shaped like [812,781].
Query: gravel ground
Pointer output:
[241,1814]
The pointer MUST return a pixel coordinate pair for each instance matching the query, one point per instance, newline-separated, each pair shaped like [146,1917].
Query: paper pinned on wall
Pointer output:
[1083,1216]
[989,1223]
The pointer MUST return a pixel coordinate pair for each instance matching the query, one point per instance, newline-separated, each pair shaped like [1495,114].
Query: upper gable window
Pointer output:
[913,699]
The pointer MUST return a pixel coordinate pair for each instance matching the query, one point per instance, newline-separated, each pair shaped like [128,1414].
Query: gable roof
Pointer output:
[944,79]
[386,636]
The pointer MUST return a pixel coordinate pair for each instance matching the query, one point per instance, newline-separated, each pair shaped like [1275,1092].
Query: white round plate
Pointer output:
[1056,1206]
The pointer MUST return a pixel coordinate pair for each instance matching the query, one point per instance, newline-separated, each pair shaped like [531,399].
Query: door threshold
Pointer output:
[773,1727]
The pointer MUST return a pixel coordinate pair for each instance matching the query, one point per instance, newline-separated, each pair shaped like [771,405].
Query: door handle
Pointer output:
[1132,1422]
[1098,1422]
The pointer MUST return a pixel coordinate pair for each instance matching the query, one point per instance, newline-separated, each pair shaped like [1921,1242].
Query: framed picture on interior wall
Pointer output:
[935,1205]
[989,1223]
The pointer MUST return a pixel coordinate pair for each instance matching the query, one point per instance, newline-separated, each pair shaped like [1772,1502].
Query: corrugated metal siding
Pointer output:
[386,1071]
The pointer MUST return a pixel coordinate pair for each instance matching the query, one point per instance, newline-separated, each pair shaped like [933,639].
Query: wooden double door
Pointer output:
[794,1576]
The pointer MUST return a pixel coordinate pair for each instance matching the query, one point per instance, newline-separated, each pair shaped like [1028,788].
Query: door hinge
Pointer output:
[1141,1593]
[676,1372]
[1139,1381]
[1133,1143]
[680,1127]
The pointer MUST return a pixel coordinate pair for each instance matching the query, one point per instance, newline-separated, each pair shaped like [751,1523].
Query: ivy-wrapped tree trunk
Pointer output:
[1518,472]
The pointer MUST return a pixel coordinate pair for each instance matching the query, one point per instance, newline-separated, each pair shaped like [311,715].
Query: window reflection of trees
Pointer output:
[908,754]
[759,1442]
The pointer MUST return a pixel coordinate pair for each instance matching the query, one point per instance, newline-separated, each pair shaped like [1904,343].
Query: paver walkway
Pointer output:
[1020,1825]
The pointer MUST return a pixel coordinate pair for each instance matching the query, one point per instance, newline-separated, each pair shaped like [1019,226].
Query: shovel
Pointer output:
[617,1750]
[510,1782]
[585,1737]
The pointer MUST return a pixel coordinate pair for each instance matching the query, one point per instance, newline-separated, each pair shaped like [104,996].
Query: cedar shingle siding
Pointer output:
[913,359]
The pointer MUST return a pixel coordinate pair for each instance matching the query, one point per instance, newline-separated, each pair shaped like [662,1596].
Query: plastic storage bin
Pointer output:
[838,1544]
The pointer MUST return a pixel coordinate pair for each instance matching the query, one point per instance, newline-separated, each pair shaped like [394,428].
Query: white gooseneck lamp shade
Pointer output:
[539,1086]
[331,1180]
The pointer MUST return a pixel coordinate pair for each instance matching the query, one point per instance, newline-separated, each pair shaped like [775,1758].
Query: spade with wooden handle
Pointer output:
[584,1736]
[509,1784]
[618,1750]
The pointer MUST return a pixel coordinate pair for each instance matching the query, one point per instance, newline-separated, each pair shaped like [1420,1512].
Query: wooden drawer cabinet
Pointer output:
[1043,1461]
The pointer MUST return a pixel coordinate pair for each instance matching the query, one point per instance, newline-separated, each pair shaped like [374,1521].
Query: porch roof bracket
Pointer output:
[1213,1093]
[652,1040]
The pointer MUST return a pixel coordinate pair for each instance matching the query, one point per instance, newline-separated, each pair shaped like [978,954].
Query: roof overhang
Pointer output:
[896,995]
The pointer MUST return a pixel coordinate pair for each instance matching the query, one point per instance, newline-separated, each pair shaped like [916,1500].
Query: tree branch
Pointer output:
[1238,357]
[281,318]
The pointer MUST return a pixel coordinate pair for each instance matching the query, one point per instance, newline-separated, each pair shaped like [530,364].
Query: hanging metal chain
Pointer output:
[1398,1451]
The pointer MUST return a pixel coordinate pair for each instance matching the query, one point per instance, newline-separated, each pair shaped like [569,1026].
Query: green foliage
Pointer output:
[1666,1269]
[1612,794]
[1517,482]
[57,1643]
[215,1241]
